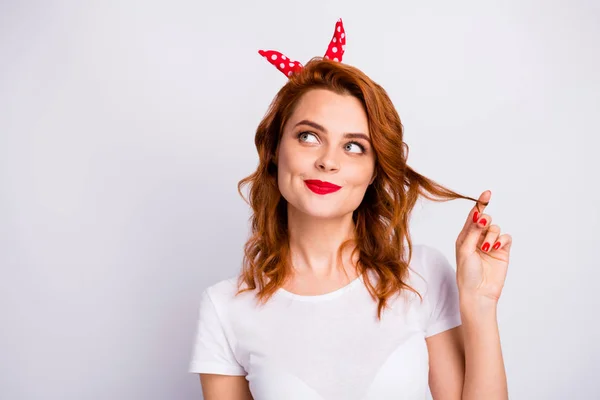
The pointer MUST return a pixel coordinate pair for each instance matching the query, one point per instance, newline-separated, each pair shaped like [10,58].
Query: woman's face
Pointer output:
[326,139]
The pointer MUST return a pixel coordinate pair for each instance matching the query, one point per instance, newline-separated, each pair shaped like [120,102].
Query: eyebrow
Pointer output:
[322,129]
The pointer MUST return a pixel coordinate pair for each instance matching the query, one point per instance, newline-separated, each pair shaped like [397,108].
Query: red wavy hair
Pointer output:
[381,220]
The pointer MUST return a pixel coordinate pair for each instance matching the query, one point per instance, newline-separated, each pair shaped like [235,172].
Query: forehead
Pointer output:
[335,112]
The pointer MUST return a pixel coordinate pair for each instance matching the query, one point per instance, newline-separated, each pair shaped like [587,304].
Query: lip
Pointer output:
[321,187]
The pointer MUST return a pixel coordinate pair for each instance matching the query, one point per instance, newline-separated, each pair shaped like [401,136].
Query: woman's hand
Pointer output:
[482,255]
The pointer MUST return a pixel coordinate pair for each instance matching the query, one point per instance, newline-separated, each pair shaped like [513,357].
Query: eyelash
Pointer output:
[362,148]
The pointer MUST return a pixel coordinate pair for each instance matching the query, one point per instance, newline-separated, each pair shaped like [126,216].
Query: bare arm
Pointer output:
[485,376]
[466,362]
[446,364]
[224,387]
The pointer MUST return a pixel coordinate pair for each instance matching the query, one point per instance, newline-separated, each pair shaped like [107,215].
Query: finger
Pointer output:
[478,208]
[503,242]
[490,238]
[474,233]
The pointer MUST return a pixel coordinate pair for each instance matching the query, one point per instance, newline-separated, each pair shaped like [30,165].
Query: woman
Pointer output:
[334,301]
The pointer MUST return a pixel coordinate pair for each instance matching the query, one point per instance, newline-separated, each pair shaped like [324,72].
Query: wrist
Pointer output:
[477,307]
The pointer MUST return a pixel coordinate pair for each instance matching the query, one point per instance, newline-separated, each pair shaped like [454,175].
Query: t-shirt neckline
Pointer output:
[324,296]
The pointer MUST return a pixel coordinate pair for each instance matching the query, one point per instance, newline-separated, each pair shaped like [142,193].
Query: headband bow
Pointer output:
[334,52]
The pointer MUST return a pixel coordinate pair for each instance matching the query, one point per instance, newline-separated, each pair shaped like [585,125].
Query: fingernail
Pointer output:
[483,221]
[475,216]
[497,246]
[485,247]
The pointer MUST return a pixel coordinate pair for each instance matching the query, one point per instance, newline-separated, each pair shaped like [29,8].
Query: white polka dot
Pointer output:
[339,29]
[292,65]
[283,57]
[327,57]
[343,35]
[282,65]
[334,40]
[334,49]
[274,57]
[290,73]
[344,47]
[336,59]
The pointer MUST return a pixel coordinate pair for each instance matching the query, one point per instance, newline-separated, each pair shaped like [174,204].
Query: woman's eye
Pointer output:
[354,148]
[305,137]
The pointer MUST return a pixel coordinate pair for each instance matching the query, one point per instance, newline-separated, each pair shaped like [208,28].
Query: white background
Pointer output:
[126,125]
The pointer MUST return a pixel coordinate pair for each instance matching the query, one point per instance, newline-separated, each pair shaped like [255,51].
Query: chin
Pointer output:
[325,214]
[320,209]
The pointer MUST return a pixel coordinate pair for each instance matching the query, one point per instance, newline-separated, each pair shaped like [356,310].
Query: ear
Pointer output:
[373,178]
[275,157]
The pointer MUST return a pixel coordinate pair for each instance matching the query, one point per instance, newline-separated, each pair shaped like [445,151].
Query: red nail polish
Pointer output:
[497,246]
[475,216]
[483,222]
[486,246]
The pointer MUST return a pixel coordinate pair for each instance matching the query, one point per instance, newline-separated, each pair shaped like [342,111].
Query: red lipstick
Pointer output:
[321,187]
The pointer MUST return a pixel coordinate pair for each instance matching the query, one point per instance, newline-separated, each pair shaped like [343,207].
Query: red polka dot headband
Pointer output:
[335,51]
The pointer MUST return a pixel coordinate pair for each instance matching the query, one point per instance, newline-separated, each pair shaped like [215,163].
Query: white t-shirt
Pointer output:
[330,346]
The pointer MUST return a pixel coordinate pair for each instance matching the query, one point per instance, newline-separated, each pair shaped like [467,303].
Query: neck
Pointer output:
[314,245]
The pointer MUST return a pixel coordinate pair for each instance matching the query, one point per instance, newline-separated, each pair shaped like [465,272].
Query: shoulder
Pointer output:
[429,265]
[429,257]
[224,294]
[224,287]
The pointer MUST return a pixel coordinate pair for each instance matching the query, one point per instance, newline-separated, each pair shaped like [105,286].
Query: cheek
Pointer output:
[293,162]
[361,174]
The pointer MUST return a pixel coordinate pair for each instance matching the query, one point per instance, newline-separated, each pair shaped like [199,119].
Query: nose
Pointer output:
[327,162]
